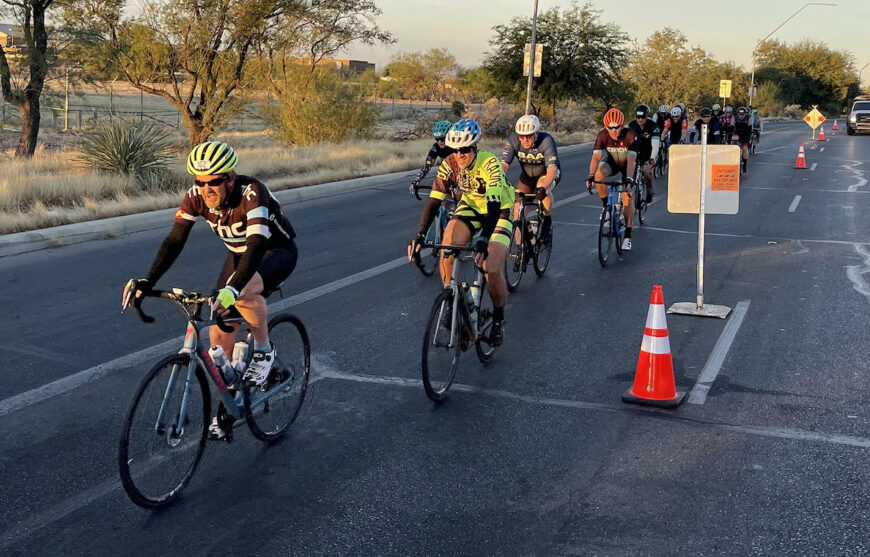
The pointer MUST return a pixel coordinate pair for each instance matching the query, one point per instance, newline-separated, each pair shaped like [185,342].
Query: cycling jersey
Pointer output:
[743,130]
[481,183]
[660,118]
[674,129]
[615,152]
[646,137]
[712,130]
[534,161]
[250,209]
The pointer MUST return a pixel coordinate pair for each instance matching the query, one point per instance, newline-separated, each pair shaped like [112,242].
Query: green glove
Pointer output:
[227,296]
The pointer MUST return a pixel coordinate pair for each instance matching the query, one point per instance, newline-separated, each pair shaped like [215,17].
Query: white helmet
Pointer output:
[463,133]
[664,108]
[676,112]
[528,124]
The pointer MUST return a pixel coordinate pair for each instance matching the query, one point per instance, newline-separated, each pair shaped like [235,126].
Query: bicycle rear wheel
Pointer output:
[515,262]
[440,348]
[640,204]
[545,250]
[164,433]
[605,237]
[271,408]
[484,326]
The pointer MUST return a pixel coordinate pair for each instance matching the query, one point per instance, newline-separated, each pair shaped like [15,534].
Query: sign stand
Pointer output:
[697,308]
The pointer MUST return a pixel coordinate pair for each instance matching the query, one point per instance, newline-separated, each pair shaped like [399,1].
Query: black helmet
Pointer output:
[641,111]
[705,112]
[743,111]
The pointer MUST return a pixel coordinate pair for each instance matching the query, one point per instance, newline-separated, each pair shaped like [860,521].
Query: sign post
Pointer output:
[717,192]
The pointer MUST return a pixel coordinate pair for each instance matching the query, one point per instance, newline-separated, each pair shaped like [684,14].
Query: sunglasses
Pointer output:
[527,136]
[211,184]
[464,150]
[614,128]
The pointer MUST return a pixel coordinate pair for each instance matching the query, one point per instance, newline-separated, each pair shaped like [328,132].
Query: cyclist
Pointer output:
[755,117]
[614,152]
[742,133]
[262,252]
[675,127]
[485,207]
[648,141]
[726,124]
[539,165]
[662,116]
[439,150]
[712,128]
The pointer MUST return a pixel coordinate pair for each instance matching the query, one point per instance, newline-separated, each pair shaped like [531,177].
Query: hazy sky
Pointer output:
[726,30]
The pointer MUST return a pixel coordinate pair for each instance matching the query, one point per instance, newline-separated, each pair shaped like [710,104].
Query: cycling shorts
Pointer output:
[527,184]
[475,220]
[613,166]
[276,266]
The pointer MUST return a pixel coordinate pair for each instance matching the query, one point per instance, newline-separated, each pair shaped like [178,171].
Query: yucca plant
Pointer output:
[117,146]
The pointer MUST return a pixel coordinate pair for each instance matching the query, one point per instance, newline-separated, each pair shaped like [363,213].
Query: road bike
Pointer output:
[461,316]
[427,258]
[528,242]
[611,225]
[166,425]
[640,190]
[753,141]
[661,160]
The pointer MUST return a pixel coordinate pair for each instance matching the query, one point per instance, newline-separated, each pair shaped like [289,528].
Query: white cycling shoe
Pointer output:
[626,244]
[259,368]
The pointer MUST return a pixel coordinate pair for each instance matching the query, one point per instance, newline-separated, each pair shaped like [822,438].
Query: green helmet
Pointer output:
[717,107]
[440,129]
[211,157]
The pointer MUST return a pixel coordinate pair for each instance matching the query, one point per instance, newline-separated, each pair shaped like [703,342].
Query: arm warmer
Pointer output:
[427,215]
[656,143]
[256,246]
[169,250]
[431,157]
[493,213]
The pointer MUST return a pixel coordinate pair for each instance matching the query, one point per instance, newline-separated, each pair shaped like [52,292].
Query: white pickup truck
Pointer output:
[859,116]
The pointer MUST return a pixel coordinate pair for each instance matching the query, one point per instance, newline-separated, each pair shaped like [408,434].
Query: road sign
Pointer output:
[722,177]
[814,118]
[725,88]
[539,56]
[753,91]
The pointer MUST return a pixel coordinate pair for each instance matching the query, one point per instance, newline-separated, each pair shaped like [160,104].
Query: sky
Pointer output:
[726,30]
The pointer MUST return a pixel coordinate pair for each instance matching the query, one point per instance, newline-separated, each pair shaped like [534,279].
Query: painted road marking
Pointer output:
[794,204]
[717,356]
[822,150]
[814,145]
[856,273]
[813,167]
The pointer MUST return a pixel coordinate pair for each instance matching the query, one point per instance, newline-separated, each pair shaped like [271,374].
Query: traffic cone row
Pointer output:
[821,133]
[801,161]
[654,377]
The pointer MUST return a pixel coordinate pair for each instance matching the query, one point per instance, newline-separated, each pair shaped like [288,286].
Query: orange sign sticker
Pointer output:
[725,177]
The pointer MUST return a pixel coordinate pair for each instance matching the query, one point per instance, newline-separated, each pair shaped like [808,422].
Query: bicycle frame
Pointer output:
[529,200]
[459,306]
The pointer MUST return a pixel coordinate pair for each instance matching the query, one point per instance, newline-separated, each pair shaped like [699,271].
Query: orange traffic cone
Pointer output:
[835,126]
[821,133]
[654,377]
[801,161]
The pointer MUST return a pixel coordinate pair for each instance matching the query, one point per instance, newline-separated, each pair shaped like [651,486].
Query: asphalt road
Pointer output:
[533,454]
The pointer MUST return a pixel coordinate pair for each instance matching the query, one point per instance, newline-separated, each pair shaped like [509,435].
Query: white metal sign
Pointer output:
[722,177]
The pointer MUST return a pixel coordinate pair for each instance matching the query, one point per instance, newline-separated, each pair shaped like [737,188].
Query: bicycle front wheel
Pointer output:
[484,326]
[427,259]
[545,250]
[271,408]
[640,203]
[515,260]
[440,348]
[605,237]
[164,432]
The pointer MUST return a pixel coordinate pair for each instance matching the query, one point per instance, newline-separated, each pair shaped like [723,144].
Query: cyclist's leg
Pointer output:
[275,267]
[457,233]
[548,206]
[605,171]
[499,243]
[524,185]
[215,335]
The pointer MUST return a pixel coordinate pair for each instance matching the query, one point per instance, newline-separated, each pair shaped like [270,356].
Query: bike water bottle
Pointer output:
[240,352]
[475,294]
[219,357]
[533,225]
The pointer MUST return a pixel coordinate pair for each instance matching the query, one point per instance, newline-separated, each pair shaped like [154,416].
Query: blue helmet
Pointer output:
[440,129]
[463,133]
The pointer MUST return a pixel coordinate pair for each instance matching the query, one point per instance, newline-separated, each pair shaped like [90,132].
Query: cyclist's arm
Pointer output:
[443,184]
[431,157]
[548,149]
[595,161]
[656,142]
[169,249]
[630,164]
[428,214]
[507,155]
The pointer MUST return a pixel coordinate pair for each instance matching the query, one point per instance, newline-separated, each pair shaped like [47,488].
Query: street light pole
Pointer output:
[532,59]
[859,75]
[755,52]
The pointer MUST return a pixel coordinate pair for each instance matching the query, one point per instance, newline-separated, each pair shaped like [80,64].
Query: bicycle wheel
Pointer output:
[515,262]
[484,325]
[271,408]
[605,237]
[542,256]
[440,348]
[427,259]
[640,204]
[164,432]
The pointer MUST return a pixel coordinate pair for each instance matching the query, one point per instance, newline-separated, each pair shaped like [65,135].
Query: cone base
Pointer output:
[666,403]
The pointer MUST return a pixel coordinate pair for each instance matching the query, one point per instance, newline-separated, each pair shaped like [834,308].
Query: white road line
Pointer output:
[814,165]
[822,150]
[813,146]
[771,150]
[80,378]
[794,204]
[717,356]
[856,273]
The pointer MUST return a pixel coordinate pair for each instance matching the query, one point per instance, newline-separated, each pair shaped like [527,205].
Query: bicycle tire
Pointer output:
[427,261]
[437,390]
[543,254]
[605,238]
[515,265]
[483,349]
[133,481]
[289,377]
[640,203]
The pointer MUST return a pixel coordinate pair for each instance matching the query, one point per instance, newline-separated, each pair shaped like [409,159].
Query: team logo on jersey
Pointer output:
[481,185]
[250,193]
[234,231]
[531,158]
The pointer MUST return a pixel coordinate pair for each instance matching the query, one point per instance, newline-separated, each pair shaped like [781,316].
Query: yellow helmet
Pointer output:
[211,157]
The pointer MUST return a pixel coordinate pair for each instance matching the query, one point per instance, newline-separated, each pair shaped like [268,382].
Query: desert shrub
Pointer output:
[142,150]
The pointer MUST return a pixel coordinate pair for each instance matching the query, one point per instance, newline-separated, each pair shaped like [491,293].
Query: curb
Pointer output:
[68,234]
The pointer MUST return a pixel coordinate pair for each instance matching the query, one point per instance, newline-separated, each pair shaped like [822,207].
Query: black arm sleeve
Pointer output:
[256,246]
[493,213]
[427,215]
[169,250]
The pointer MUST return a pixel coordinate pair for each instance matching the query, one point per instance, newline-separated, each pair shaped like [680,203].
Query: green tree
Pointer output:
[476,84]
[769,99]
[23,80]
[808,73]
[583,58]
[423,74]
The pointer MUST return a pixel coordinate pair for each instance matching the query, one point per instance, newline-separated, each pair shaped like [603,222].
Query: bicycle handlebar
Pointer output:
[176,295]
[417,191]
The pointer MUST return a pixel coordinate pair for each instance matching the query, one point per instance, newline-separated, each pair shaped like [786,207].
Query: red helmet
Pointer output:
[614,117]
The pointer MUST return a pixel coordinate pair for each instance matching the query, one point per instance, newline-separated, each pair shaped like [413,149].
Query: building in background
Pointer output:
[11,39]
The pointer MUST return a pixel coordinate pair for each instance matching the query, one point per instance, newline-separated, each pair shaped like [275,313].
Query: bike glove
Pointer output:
[227,296]
[540,194]
[589,180]
[480,245]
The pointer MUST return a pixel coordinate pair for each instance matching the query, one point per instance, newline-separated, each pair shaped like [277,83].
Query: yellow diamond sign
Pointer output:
[814,118]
